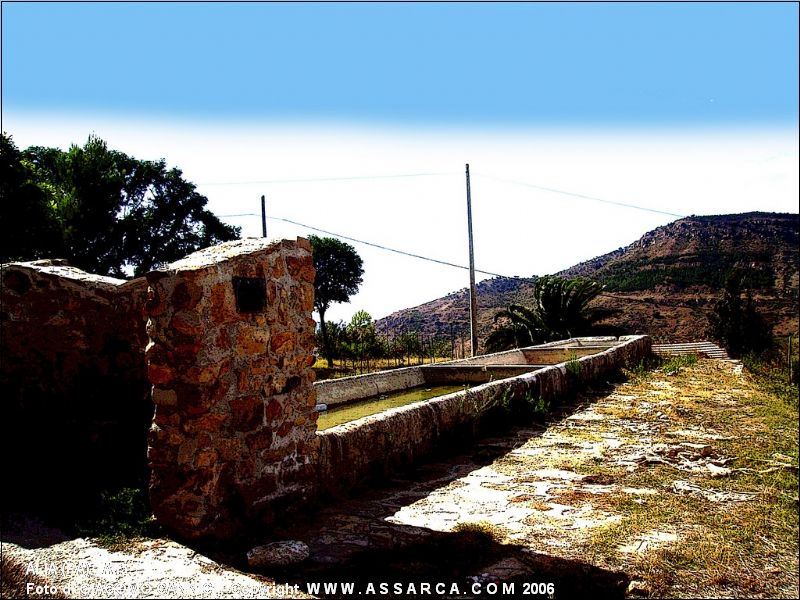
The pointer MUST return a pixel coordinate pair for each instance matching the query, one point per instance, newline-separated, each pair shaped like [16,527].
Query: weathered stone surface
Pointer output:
[230,358]
[73,379]
[278,554]
[375,446]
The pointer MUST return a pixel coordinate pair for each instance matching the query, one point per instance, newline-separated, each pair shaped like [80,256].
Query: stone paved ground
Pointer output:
[650,490]
[157,568]
[669,485]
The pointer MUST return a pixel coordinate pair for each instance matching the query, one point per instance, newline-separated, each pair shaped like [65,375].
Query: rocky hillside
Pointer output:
[663,284]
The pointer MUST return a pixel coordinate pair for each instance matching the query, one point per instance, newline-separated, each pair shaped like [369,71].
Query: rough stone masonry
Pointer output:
[233,436]
[75,398]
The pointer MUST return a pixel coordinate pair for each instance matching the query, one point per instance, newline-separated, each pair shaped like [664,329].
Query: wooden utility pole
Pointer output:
[263,217]
[473,297]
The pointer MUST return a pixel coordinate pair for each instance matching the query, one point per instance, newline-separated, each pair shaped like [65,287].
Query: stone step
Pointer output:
[705,348]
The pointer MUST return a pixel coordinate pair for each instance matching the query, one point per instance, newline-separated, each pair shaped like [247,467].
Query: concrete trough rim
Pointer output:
[523,377]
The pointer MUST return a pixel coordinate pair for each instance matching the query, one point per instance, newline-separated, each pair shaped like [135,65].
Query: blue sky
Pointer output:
[449,64]
[675,108]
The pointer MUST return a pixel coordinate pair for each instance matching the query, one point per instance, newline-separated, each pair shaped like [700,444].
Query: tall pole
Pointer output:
[473,298]
[263,217]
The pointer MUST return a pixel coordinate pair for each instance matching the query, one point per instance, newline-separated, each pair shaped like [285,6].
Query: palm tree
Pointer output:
[559,310]
[520,328]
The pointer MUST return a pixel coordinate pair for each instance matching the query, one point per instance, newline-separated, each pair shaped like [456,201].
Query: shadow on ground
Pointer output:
[351,540]
[463,559]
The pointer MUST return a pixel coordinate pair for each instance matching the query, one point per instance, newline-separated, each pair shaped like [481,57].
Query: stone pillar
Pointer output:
[230,353]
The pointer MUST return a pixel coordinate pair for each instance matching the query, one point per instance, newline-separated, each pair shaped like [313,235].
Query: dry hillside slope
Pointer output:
[664,284]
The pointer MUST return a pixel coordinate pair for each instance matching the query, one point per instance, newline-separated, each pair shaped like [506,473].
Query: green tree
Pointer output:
[28,227]
[518,327]
[362,340]
[115,214]
[339,270]
[406,345]
[735,322]
[560,310]
[336,334]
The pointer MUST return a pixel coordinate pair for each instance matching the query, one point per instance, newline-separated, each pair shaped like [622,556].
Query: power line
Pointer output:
[374,245]
[315,179]
[583,196]
[412,255]
[395,176]
[437,174]
[404,253]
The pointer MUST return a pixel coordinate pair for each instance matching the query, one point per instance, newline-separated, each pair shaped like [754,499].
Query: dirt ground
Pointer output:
[680,483]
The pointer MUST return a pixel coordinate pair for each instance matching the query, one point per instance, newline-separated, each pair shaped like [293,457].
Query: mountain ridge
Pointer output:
[664,283]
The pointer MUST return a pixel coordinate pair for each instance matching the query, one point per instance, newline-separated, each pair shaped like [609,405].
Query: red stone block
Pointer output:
[283,342]
[186,295]
[274,410]
[159,374]
[188,323]
[286,428]
[231,449]
[187,351]
[247,413]
[259,440]
[205,458]
[195,404]
[278,270]
[223,307]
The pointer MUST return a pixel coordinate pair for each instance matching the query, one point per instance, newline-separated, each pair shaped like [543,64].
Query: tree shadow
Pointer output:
[470,562]
[356,541]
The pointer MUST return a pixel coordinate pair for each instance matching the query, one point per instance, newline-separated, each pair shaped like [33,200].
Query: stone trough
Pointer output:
[374,446]
[479,369]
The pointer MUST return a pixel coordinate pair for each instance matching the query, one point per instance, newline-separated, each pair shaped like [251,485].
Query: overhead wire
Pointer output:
[318,179]
[582,196]
[404,175]
[373,244]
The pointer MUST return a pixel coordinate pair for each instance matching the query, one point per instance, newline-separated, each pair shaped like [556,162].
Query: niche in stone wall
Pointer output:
[251,294]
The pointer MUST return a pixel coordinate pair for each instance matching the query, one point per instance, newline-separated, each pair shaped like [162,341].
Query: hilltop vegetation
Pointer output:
[664,284]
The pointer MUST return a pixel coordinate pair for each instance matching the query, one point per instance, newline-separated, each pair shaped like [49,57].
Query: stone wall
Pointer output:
[449,374]
[372,447]
[75,399]
[230,354]
[348,389]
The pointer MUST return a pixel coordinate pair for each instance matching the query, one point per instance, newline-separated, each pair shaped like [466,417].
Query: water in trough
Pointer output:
[370,406]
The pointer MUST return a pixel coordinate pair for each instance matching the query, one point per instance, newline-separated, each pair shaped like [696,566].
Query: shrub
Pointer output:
[119,516]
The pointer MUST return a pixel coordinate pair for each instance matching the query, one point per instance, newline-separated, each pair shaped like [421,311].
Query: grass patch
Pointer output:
[119,518]
[480,529]
[669,366]
[675,363]
[724,548]
[772,375]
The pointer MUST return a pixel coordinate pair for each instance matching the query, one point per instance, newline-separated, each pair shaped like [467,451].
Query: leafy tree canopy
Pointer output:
[28,227]
[102,210]
[339,273]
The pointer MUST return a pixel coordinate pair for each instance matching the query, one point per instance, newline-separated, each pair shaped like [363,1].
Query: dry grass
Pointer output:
[727,548]
[483,529]
[712,549]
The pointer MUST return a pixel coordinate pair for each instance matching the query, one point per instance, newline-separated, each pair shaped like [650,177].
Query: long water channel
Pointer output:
[370,406]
